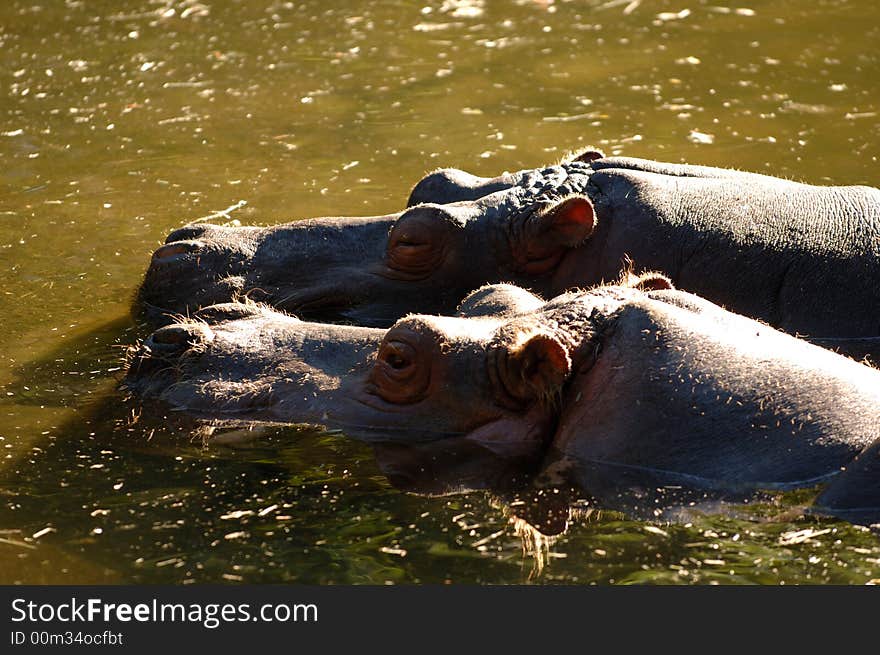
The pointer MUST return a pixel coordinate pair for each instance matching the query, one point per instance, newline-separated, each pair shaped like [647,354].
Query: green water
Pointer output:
[120,120]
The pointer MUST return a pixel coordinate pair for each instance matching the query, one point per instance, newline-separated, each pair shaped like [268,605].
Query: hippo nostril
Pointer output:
[180,336]
[187,233]
[170,335]
[171,250]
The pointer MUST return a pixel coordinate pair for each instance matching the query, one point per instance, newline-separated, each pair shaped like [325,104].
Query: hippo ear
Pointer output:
[567,223]
[534,369]
[543,364]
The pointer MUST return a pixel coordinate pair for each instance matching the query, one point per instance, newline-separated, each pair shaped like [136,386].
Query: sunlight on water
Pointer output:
[123,119]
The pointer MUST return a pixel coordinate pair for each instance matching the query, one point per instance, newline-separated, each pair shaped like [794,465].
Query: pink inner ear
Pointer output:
[545,364]
[573,220]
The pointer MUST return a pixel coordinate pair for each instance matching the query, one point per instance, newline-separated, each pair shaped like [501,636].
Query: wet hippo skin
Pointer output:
[802,258]
[634,381]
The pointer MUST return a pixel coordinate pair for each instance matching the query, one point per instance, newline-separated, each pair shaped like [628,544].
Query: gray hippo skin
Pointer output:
[634,381]
[802,258]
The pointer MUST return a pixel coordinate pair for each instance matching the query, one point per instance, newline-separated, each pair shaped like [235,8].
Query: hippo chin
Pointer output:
[802,258]
[631,381]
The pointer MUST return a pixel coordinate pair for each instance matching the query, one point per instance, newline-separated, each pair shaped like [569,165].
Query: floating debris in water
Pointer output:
[655,530]
[673,15]
[393,551]
[800,536]
[463,8]
[701,137]
[42,533]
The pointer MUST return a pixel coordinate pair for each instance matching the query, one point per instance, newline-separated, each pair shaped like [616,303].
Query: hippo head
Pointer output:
[426,378]
[491,375]
[630,384]
[461,232]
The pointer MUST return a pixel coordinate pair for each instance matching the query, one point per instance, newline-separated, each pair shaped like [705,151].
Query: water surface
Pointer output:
[120,120]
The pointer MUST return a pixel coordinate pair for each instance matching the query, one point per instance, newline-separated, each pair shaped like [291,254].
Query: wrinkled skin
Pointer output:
[627,382]
[802,258]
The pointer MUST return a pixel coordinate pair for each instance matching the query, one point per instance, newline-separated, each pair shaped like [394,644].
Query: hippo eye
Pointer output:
[417,243]
[401,372]
[409,250]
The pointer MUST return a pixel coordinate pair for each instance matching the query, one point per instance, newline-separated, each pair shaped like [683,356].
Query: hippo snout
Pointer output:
[171,251]
[155,363]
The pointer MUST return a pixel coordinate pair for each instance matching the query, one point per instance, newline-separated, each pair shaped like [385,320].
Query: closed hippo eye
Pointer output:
[402,370]
[417,243]
[406,253]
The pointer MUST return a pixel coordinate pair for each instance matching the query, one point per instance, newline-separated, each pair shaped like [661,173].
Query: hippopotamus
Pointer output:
[631,381]
[802,258]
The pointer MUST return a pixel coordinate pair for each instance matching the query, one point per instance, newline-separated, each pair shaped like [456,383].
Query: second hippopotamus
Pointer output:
[629,381]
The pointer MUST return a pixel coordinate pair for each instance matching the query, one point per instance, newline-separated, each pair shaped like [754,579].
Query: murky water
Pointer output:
[119,120]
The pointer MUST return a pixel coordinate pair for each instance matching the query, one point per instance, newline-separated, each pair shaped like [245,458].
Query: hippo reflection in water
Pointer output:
[630,381]
[802,258]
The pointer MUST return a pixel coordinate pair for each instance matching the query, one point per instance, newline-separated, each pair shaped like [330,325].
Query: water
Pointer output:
[119,120]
